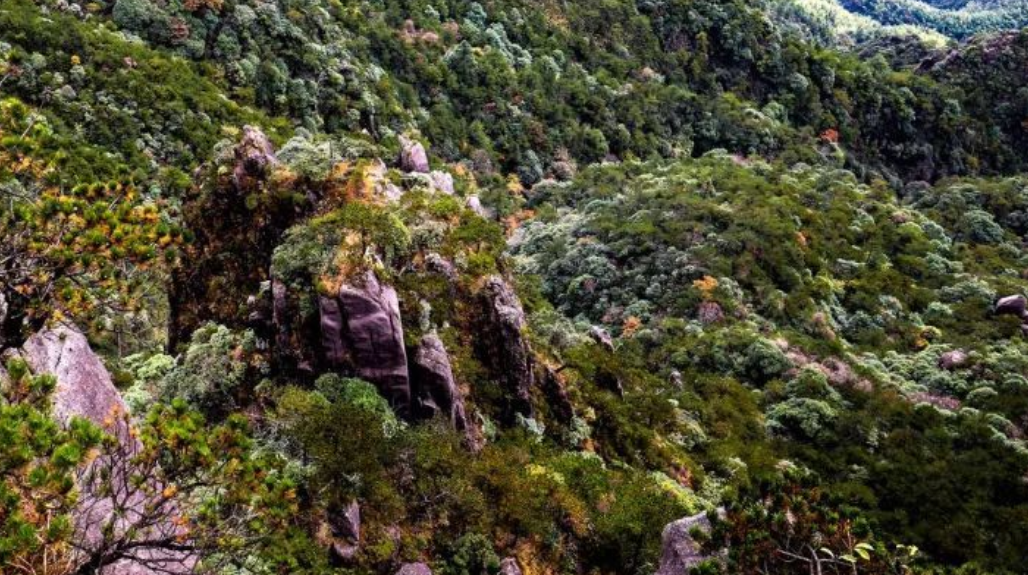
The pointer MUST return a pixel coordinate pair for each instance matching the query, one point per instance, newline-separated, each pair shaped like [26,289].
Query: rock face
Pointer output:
[434,389]
[412,156]
[503,348]
[679,551]
[361,330]
[84,386]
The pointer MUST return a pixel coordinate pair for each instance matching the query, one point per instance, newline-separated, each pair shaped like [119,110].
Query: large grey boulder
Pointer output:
[434,388]
[108,506]
[680,551]
[84,387]
[361,330]
[502,346]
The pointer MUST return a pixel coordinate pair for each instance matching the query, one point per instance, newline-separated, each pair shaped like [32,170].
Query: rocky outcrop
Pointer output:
[435,391]
[361,331]
[84,387]
[1014,305]
[412,156]
[234,238]
[680,551]
[502,346]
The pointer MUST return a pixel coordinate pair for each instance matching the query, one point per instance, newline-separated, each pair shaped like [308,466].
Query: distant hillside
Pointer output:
[956,19]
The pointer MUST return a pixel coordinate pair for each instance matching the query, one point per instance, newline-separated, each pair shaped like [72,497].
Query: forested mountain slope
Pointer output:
[322,286]
[958,19]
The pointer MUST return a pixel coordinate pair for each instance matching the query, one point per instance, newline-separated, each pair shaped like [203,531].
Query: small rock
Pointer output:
[1012,305]
[475,204]
[509,566]
[253,156]
[953,359]
[414,569]
[709,312]
[442,181]
[345,526]
[601,337]
[680,552]
[412,156]
[675,379]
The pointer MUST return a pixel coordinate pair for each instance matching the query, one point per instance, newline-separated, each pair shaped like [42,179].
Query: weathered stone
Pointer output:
[442,181]
[361,329]
[709,312]
[107,506]
[953,359]
[509,566]
[345,528]
[675,379]
[412,156]
[437,264]
[253,156]
[1012,305]
[680,552]
[84,386]
[414,569]
[434,389]
[503,348]
[838,372]
[601,337]
[475,204]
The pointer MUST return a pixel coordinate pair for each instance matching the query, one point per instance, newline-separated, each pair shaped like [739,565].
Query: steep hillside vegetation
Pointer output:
[311,286]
